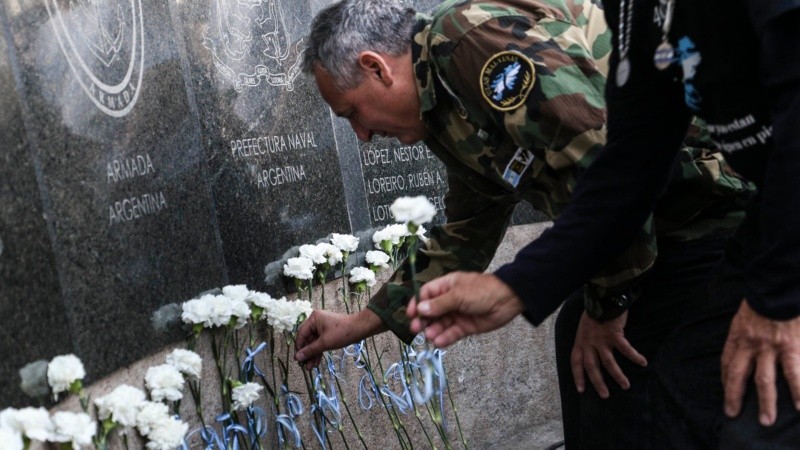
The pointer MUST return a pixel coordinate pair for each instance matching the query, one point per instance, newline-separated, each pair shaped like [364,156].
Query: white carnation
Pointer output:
[122,405]
[362,274]
[301,268]
[282,315]
[186,361]
[377,258]
[393,233]
[417,210]
[33,423]
[241,310]
[333,255]
[236,292]
[397,231]
[164,382]
[313,252]
[150,415]
[76,428]
[63,371]
[198,311]
[345,242]
[10,439]
[244,395]
[167,434]
[259,299]
[221,310]
[421,233]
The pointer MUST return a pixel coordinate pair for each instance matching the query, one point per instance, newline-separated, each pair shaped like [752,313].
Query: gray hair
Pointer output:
[343,30]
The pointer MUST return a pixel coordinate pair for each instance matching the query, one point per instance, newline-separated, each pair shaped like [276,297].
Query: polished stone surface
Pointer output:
[266,133]
[156,149]
[33,323]
[122,176]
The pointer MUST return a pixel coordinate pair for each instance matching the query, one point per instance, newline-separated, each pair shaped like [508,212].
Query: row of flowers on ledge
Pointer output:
[242,324]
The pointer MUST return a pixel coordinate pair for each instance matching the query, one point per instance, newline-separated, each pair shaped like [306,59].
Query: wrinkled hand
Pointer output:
[460,304]
[595,342]
[326,330]
[757,342]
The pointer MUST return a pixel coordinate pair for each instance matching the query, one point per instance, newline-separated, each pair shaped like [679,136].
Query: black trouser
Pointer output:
[679,324]
[677,282]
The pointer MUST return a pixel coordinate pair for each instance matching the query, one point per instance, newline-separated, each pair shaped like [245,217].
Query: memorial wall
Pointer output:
[153,150]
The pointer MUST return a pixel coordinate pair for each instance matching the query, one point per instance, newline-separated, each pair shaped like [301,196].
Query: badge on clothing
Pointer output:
[506,80]
[517,166]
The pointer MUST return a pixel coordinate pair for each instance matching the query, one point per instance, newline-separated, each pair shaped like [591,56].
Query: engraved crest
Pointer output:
[250,43]
[103,43]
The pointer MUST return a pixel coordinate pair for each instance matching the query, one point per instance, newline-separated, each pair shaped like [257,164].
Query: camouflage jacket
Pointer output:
[512,95]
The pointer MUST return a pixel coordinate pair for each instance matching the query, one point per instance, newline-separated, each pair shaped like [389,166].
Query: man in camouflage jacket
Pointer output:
[509,95]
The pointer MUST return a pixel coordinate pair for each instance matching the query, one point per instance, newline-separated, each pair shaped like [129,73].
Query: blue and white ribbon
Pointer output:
[286,424]
[249,365]
[402,401]
[209,437]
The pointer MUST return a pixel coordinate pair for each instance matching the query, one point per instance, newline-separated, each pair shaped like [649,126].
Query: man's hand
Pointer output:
[325,330]
[755,341]
[460,304]
[597,341]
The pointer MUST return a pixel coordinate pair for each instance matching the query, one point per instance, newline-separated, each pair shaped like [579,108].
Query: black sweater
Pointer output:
[738,67]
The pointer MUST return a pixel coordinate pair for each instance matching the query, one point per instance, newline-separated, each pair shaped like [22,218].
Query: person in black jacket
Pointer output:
[736,65]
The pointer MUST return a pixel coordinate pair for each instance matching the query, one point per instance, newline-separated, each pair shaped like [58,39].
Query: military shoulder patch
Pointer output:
[506,80]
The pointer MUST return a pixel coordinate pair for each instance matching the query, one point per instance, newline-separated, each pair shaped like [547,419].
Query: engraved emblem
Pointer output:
[103,42]
[249,43]
[506,80]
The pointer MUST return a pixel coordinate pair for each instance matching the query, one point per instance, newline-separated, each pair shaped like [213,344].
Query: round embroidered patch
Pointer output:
[507,79]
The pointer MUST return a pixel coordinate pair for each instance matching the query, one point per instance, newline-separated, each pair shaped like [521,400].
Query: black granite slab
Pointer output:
[120,169]
[33,322]
[266,133]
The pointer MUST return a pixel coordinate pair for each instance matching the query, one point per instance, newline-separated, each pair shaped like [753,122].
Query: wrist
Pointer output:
[367,322]
[608,307]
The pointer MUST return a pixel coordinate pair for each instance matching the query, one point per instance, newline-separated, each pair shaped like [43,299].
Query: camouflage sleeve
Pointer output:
[476,223]
[559,115]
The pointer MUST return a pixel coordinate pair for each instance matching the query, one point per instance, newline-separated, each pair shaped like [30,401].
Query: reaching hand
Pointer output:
[755,341]
[325,330]
[460,304]
[597,341]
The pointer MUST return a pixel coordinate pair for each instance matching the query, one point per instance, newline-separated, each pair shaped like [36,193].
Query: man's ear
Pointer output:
[374,65]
